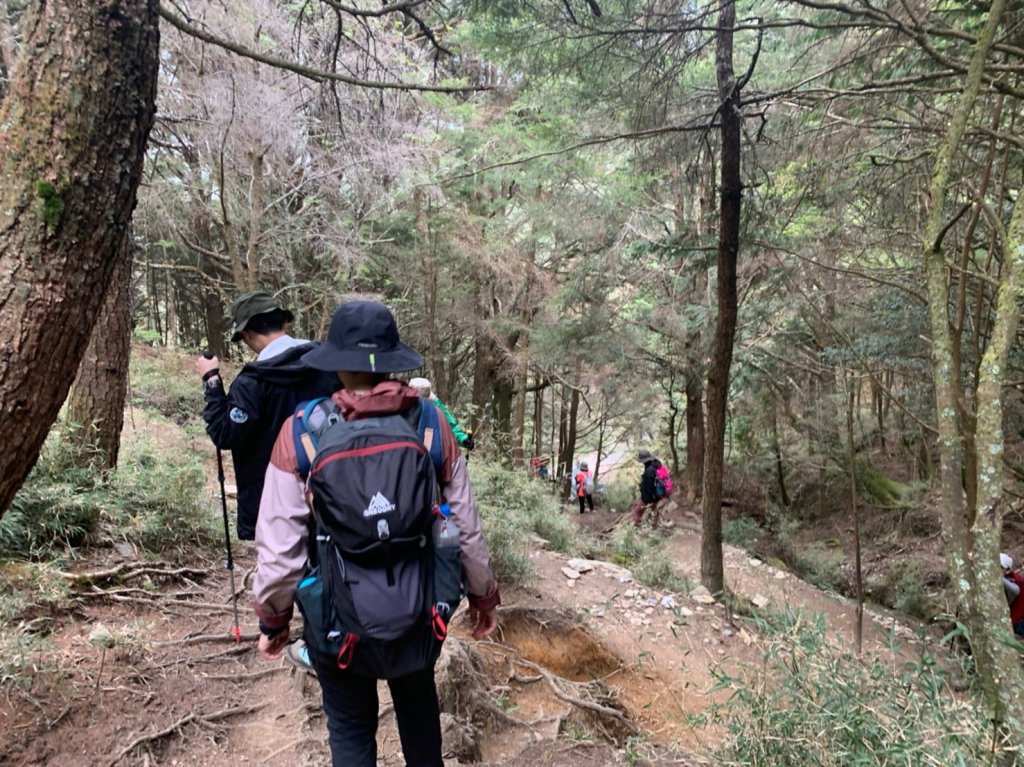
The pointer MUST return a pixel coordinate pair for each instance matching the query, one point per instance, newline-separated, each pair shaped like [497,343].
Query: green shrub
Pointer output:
[514,509]
[903,587]
[821,563]
[820,706]
[643,552]
[56,507]
[162,381]
[743,532]
[152,499]
[32,592]
[620,494]
[158,502]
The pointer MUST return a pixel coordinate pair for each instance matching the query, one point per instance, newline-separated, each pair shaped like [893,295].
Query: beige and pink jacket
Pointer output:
[282,527]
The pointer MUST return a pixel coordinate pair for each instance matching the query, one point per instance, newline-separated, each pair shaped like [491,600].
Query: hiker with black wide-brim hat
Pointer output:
[363,568]
[246,419]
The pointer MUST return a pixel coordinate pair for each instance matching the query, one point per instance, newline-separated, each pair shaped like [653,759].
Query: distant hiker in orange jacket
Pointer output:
[584,487]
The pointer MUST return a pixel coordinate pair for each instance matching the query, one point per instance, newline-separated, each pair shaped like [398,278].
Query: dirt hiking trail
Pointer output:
[587,667]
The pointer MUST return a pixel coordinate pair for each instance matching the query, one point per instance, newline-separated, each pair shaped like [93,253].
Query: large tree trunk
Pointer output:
[73,132]
[972,534]
[1003,679]
[538,420]
[519,416]
[485,377]
[216,323]
[694,477]
[711,572]
[501,417]
[96,403]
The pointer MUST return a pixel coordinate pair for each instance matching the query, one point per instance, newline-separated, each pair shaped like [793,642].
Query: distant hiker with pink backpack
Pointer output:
[376,547]
[655,487]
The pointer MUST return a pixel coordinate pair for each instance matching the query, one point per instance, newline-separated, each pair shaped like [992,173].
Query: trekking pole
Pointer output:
[236,632]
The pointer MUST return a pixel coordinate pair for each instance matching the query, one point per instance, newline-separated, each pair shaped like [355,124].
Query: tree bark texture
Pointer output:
[96,402]
[694,478]
[972,534]
[73,132]
[1004,679]
[711,571]
[519,416]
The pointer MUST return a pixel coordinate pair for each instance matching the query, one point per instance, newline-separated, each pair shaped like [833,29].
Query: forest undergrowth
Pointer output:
[149,528]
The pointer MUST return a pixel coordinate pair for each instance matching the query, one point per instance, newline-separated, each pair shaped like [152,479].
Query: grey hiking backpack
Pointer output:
[370,599]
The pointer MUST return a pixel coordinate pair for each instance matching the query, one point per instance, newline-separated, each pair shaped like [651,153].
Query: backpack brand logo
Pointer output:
[378,505]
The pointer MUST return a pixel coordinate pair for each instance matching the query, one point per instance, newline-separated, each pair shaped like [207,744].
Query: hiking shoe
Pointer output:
[298,655]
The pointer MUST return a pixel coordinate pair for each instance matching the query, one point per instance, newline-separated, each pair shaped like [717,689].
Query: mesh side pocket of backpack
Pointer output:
[448,580]
[322,631]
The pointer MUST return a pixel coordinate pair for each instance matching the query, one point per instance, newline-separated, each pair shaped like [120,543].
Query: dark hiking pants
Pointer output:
[351,706]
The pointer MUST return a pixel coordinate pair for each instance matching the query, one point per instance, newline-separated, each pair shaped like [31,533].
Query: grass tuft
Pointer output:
[816,705]
[515,510]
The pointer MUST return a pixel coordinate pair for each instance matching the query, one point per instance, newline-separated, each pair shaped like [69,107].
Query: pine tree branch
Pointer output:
[317,75]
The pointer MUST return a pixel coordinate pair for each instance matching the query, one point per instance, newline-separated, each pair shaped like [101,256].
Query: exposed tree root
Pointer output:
[556,682]
[250,676]
[288,747]
[198,718]
[239,649]
[127,570]
[156,601]
[468,694]
[211,638]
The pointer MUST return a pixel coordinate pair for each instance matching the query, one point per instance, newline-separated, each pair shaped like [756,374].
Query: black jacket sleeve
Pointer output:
[233,418]
[648,494]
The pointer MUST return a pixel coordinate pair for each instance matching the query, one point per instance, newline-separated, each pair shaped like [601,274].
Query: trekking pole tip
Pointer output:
[236,632]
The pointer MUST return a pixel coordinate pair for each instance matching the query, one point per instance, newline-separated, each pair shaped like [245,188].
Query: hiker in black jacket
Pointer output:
[648,499]
[246,420]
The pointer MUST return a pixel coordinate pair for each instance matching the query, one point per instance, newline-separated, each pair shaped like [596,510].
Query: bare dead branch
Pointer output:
[317,75]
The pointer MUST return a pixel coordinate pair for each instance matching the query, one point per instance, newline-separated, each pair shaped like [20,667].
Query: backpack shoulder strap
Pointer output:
[308,424]
[429,431]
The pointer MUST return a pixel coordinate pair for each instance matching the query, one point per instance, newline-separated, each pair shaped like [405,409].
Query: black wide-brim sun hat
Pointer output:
[363,338]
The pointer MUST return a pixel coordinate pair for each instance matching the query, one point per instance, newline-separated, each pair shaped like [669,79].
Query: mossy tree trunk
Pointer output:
[972,534]
[96,403]
[73,131]
[1004,678]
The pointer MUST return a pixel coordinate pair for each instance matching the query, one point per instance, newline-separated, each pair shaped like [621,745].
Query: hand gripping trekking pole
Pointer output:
[236,632]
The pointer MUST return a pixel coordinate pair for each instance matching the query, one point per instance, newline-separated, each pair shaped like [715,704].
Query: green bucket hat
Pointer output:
[249,305]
